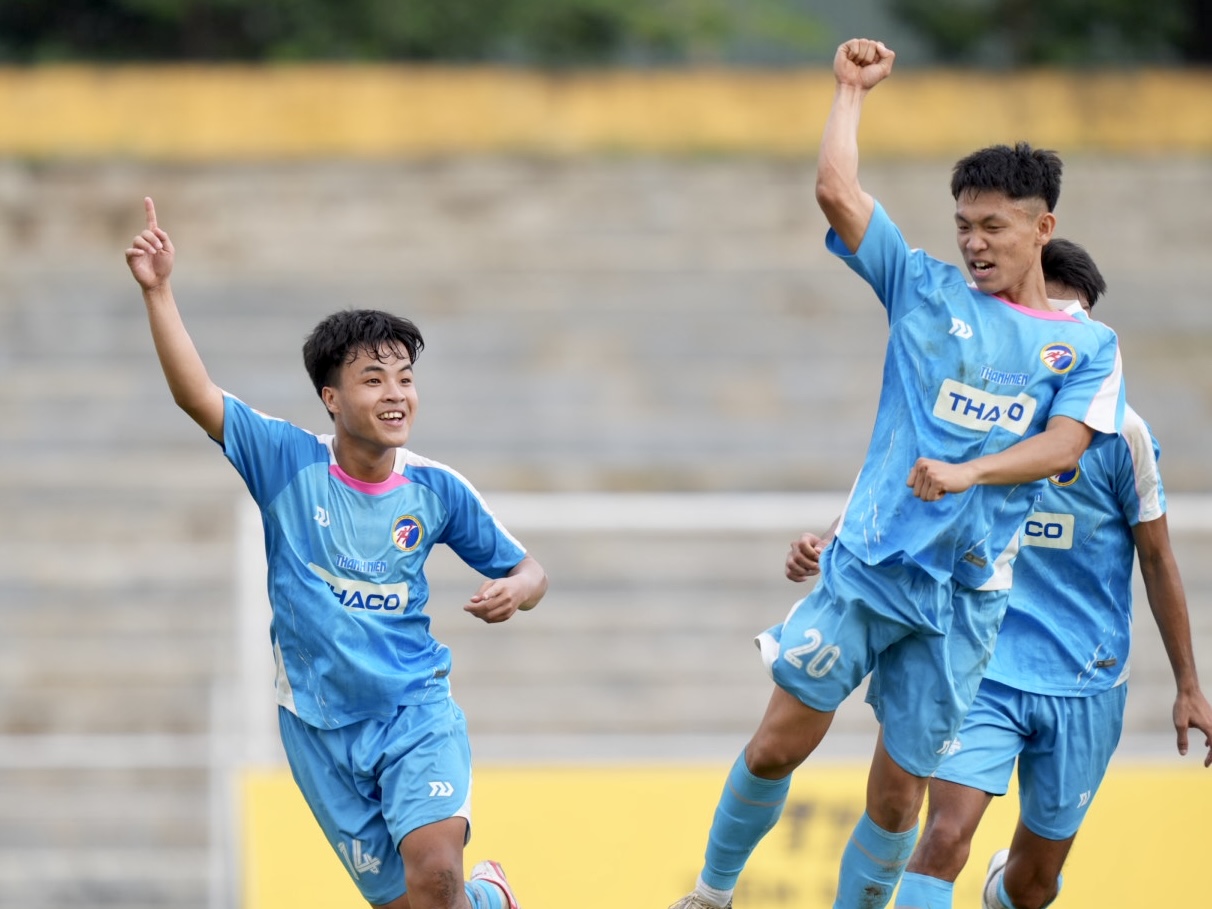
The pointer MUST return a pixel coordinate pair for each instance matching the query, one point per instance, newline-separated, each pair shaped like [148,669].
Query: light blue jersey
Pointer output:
[1068,626]
[965,375]
[346,562]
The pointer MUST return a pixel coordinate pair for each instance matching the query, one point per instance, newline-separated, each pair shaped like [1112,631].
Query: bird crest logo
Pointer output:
[1058,357]
[1068,478]
[406,533]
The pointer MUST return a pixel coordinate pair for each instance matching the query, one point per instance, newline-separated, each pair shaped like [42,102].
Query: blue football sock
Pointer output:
[872,863]
[1002,896]
[919,891]
[748,808]
[484,895]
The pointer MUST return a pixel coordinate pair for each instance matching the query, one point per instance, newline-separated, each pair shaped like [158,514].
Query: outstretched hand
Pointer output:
[150,256]
[862,62]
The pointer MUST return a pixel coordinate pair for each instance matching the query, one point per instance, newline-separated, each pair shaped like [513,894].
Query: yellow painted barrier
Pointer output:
[598,838]
[328,110]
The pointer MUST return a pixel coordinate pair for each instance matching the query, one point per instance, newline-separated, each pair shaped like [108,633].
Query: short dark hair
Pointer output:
[1021,172]
[1068,263]
[339,339]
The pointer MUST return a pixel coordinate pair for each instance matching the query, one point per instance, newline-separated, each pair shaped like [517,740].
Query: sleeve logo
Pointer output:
[1058,357]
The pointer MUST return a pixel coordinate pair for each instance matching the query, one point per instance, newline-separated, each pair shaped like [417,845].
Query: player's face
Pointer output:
[374,401]
[1000,239]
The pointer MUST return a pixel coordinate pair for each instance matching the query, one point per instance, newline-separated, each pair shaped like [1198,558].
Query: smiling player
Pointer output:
[375,742]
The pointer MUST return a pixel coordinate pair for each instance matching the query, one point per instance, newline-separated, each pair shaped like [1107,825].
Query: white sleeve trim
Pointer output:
[1136,435]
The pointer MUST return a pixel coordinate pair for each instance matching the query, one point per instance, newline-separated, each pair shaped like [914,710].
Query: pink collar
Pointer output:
[1052,315]
[393,481]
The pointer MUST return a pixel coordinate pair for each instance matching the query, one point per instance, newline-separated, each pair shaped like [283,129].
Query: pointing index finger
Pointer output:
[150,208]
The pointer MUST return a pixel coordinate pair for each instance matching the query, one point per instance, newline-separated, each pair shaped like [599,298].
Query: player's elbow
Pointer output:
[1068,457]
[1060,463]
[830,193]
[1069,441]
[536,581]
[540,590]
[846,207]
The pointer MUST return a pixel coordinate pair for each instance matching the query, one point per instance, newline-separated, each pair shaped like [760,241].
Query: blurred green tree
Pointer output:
[540,32]
[1061,32]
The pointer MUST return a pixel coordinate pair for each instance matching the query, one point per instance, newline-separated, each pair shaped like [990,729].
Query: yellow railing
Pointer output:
[308,111]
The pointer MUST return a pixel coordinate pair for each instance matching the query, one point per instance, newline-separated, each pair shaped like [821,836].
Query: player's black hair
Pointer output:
[339,339]
[1068,263]
[1021,172]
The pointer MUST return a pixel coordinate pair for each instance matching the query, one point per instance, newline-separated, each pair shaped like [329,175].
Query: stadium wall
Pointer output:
[597,837]
[309,111]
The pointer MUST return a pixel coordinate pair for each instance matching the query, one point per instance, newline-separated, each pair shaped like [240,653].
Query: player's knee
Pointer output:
[942,851]
[773,757]
[896,805]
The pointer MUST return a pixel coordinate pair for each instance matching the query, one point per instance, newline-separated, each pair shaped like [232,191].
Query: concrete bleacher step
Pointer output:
[115,839]
[608,325]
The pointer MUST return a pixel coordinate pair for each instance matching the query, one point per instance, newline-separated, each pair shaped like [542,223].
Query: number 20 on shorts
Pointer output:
[822,658]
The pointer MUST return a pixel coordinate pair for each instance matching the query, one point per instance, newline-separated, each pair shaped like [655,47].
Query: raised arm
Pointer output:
[150,258]
[1055,450]
[1164,588]
[858,66]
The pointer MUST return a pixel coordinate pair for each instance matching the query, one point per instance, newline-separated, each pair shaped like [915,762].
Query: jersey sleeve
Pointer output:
[266,451]
[1093,393]
[470,529]
[1138,481]
[902,278]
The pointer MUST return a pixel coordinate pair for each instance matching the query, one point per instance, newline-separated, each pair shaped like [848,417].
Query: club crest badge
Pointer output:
[406,533]
[1068,478]
[1059,357]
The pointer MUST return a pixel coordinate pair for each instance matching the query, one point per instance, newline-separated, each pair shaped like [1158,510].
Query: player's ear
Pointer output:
[1045,226]
[328,395]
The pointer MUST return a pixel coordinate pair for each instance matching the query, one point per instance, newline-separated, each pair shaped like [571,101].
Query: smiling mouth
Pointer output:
[391,415]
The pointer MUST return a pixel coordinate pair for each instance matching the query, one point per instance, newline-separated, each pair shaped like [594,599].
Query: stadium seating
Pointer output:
[606,325]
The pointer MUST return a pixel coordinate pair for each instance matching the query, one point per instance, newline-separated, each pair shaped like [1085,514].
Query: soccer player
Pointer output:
[986,391]
[1053,694]
[375,742]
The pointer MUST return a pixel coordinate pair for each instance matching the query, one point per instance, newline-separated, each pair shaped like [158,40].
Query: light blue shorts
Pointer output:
[372,783]
[1063,746]
[924,643]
